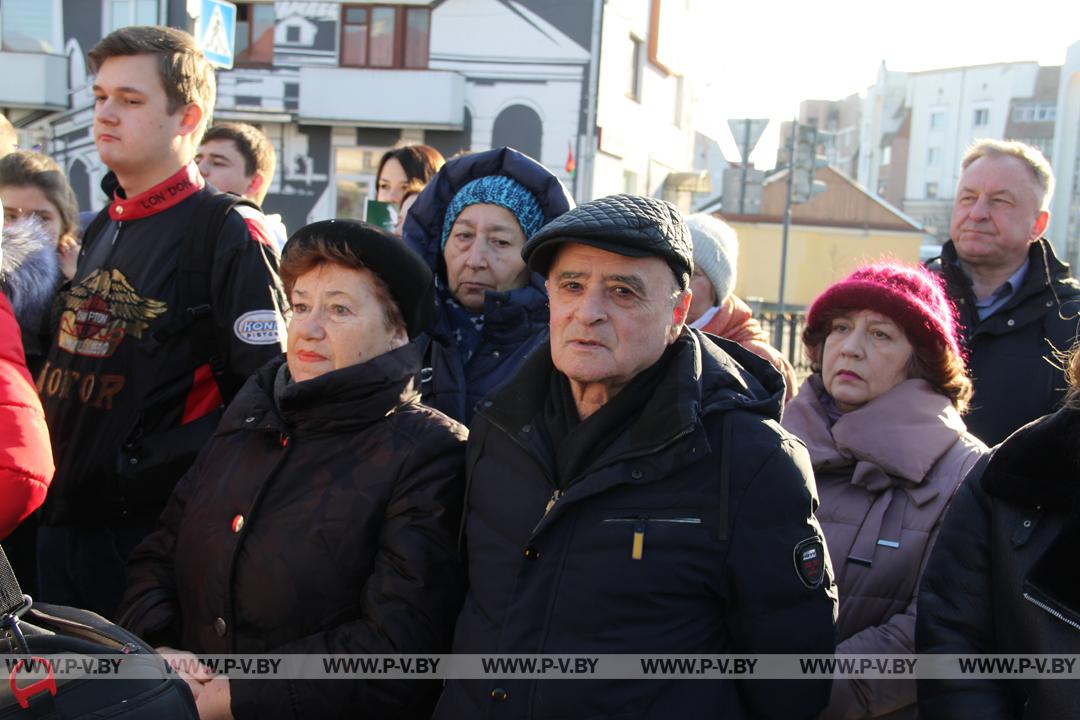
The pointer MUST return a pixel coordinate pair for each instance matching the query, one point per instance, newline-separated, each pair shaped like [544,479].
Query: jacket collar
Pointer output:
[905,431]
[510,316]
[172,191]
[342,400]
[702,378]
[1044,267]
[1039,465]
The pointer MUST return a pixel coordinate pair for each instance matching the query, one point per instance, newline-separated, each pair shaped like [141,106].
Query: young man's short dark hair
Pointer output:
[185,73]
[251,143]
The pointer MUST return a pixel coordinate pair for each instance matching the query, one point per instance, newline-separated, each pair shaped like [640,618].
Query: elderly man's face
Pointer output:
[996,214]
[612,316]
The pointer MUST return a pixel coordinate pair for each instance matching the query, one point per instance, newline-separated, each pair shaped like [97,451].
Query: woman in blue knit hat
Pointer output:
[469,225]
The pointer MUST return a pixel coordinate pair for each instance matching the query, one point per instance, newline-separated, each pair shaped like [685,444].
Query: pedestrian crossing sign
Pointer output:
[216,32]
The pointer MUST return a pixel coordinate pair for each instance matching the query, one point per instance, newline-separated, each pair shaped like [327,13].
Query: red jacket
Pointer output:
[26,463]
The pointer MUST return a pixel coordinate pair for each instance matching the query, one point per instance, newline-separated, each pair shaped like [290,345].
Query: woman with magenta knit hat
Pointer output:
[715,308]
[881,417]
[469,224]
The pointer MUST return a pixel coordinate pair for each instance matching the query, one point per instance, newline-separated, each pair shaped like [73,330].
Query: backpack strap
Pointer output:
[194,270]
[93,230]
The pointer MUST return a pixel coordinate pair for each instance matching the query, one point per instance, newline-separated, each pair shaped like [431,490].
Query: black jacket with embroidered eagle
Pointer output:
[128,399]
[693,532]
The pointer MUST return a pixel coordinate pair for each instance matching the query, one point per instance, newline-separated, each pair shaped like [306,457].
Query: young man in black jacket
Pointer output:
[167,315]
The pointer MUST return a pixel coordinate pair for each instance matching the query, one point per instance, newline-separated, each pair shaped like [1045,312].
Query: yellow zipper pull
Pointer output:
[638,547]
[551,503]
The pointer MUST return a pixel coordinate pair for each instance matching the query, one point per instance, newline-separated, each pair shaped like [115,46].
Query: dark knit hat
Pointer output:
[496,190]
[409,279]
[911,296]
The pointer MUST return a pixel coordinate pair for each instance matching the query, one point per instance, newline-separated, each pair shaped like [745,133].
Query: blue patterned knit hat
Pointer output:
[496,190]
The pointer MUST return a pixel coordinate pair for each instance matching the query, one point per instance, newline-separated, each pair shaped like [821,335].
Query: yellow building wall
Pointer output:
[816,258]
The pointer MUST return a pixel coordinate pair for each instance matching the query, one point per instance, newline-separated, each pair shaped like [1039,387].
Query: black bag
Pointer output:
[34,639]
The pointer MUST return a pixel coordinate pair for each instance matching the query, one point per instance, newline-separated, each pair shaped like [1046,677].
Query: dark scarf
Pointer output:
[466,327]
[576,443]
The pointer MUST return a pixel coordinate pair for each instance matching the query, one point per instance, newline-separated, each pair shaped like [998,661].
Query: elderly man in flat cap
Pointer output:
[631,492]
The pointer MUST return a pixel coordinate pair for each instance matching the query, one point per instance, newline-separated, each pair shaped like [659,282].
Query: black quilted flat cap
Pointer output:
[408,277]
[625,224]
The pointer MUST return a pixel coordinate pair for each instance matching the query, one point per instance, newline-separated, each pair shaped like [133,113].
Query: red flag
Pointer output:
[571,166]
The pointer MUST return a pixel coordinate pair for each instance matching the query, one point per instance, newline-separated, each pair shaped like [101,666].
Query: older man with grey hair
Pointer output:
[1016,301]
[631,492]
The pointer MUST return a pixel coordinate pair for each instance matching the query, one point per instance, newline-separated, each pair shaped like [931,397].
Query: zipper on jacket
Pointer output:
[551,502]
[1052,610]
[637,548]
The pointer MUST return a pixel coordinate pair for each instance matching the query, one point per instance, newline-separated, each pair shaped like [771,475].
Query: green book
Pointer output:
[382,214]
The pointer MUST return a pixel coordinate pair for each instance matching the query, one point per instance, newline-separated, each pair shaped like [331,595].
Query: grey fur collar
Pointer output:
[29,270]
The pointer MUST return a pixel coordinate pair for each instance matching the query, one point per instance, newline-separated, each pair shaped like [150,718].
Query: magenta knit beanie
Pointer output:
[911,296]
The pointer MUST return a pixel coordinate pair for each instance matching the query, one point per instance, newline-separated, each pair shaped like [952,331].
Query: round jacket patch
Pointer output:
[810,562]
[258,327]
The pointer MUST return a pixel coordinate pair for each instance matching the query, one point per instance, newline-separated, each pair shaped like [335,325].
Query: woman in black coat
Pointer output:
[1002,578]
[322,516]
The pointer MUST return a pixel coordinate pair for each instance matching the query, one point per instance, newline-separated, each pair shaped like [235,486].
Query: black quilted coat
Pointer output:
[721,496]
[1002,578]
[326,523]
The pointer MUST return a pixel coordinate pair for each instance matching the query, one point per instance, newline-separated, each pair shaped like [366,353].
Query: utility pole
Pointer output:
[778,328]
[801,187]
[745,164]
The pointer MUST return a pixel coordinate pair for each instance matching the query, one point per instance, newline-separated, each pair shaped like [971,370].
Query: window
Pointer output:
[937,120]
[519,127]
[931,190]
[1034,112]
[354,177]
[982,117]
[933,156]
[254,34]
[886,155]
[385,36]
[120,13]
[30,26]
[637,57]
[292,34]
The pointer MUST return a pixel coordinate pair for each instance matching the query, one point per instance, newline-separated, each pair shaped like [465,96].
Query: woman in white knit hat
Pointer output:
[715,308]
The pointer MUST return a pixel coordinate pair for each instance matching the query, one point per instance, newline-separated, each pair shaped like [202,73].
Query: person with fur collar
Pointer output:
[881,417]
[1002,577]
[28,272]
[715,308]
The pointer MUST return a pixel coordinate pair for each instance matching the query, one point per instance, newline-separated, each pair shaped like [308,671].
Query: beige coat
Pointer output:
[885,474]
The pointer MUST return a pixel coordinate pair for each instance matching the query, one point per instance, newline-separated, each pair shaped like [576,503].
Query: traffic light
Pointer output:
[804,165]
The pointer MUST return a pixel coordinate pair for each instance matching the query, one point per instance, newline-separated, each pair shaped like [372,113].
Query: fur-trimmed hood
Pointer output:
[1039,464]
[29,270]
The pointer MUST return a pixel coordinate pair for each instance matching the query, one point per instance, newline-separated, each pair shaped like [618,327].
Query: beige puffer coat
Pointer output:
[885,474]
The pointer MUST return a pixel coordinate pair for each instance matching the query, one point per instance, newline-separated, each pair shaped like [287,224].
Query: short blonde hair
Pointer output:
[1028,154]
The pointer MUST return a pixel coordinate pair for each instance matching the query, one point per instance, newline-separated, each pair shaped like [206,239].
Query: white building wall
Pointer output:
[512,58]
[640,143]
[958,94]
[1065,210]
[879,117]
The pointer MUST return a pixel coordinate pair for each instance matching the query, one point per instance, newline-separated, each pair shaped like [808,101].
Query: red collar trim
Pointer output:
[162,196]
